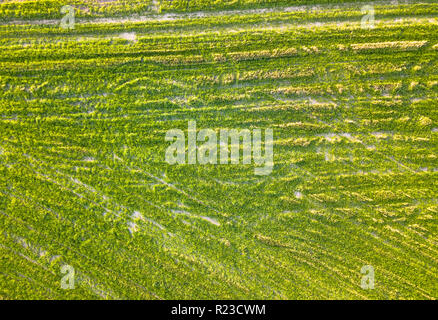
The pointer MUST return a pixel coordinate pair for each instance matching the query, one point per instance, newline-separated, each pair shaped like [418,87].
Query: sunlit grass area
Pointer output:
[83,179]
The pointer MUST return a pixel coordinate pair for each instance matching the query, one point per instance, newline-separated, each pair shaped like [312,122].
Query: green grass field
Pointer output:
[83,177]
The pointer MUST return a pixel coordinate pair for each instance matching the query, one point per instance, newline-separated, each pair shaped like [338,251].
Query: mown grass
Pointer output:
[83,179]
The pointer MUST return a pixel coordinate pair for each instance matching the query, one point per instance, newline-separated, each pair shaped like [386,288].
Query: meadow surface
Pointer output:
[83,177]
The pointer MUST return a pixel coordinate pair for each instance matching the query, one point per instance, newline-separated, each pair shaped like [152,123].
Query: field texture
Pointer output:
[84,184]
